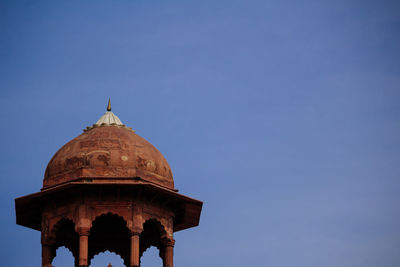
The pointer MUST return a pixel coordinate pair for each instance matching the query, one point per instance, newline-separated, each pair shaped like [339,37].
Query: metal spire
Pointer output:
[109,105]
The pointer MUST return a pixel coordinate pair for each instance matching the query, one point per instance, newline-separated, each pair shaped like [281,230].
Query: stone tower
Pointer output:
[108,189]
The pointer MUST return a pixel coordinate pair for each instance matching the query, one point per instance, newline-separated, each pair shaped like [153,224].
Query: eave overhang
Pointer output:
[29,208]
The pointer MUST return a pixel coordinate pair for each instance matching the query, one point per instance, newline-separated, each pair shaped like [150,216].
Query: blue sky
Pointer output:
[282,116]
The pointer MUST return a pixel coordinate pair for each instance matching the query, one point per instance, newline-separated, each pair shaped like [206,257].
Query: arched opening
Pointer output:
[66,239]
[109,233]
[64,258]
[151,258]
[150,239]
[105,258]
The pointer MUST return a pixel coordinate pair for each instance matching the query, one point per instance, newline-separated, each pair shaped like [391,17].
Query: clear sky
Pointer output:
[282,116]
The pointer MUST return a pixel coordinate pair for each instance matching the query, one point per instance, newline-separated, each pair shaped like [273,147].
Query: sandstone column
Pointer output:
[46,255]
[83,246]
[134,249]
[169,253]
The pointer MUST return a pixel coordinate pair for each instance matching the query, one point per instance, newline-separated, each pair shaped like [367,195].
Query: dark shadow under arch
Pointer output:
[64,235]
[152,235]
[109,232]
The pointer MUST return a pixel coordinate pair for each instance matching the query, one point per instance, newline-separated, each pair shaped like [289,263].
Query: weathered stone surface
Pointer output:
[108,151]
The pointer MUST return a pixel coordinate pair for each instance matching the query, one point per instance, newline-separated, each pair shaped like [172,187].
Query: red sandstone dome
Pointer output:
[108,152]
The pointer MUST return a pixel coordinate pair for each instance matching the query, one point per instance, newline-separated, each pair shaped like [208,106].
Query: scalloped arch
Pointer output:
[61,246]
[110,211]
[158,223]
[53,236]
[122,225]
[149,246]
[109,250]
[146,244]
[54,228]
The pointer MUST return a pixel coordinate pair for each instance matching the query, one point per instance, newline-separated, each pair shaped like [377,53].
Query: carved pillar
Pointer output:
[47,241]
[47,255]
[134,249]
[169,252]
[83,246]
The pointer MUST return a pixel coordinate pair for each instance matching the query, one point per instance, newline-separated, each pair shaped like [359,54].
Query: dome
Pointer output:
[108,151]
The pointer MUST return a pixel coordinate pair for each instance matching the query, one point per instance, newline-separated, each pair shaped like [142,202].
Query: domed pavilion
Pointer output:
[108,189]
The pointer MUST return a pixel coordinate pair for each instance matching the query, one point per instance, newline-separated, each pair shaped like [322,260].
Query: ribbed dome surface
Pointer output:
[112,152]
